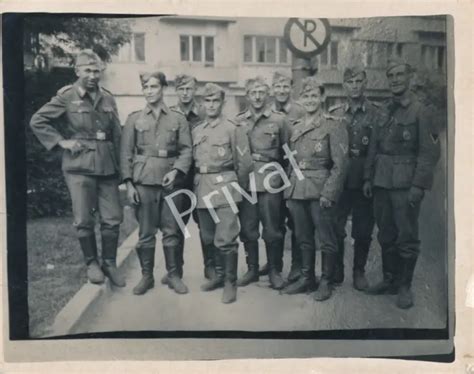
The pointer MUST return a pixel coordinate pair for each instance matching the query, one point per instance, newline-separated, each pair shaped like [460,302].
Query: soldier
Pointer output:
[219,163]
[267,132]
[320,146]
[359,116]
[155,149]
[282,87]
[90,137]
[185,86]
[400,164]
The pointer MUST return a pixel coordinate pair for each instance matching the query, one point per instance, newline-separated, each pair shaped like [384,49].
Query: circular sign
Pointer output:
[307,37]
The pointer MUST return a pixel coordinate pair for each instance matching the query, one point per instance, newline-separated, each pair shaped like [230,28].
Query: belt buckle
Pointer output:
[257,156]
[162,153]
[355,152]
[302,164]
[203,169]
[100,135]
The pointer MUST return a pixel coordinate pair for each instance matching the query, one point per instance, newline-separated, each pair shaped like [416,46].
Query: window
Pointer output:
[260,49]
[330,55]
[433,57]
[197,48]
[378,53]
[134,51]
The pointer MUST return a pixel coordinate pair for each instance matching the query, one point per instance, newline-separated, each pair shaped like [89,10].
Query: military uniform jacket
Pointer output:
[266,135]
[321,153]
[291,110]
[221,156]
[359,122]
[404,150]
[194,115]
[73,114]
[153,144]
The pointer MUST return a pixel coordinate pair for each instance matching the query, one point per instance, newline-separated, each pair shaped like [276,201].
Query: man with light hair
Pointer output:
[88,132]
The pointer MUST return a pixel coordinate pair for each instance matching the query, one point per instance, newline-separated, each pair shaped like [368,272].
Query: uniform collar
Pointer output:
[212,123]
[81,91]
[192,109]
[316,122]
[161,108]
[355,108]
[403,100]
[265,113]
[285,108]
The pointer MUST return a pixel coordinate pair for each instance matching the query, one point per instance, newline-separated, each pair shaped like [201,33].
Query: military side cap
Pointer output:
[258,80]
[280,76]
[212,89]
[87,57]
[394,62]
[145,76]
[311,83]
[182,79]
[352,71]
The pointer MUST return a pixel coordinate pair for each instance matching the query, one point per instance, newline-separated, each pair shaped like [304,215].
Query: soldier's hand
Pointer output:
[169,178]
[415,195]
[324,203]
[132,194]
[71,145]
[367,189]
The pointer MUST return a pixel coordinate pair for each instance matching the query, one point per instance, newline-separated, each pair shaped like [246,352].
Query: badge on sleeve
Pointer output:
[365,140]
[406,135]
[318,147]
[221,151]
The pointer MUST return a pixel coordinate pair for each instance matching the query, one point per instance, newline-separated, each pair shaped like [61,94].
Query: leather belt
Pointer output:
[314,164]
[213,169]
[99,135]
[158,153]
[263,158]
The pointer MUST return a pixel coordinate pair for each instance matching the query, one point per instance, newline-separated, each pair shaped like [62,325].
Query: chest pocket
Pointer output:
[221,149]
[105,116]
[319,144]
[142,129]
[171,138]
[271,138]
[406,134]
[198,140]
[80,116]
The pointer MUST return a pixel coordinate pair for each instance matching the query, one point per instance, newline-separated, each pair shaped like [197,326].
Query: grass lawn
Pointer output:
[56,269]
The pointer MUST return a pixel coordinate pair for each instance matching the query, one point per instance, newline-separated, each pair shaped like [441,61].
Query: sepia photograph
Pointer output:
[230,177]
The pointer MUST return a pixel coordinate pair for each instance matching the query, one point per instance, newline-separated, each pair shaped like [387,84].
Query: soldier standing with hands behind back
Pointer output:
[90,139]
[401,160]
[155,148]
[359,116]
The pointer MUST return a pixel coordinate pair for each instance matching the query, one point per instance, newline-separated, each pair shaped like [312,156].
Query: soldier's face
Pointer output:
[89,76]
[399,79]
[355,86]
[311,100]
[186,92]
[257,96]
[152,90]
[282,91]
[213,105]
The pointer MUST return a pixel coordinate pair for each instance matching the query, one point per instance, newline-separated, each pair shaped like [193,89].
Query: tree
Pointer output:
[61,35]
[56,38]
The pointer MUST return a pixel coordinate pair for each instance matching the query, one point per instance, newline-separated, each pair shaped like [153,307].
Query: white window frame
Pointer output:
[254,61]
[434,51]
[329,63]
[203,60]
[131,58]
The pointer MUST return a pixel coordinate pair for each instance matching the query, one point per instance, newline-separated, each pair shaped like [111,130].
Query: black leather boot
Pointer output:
[229,295]
[171,260]
[273,257]
[264,269]
[390,269]
[324,290]
[251,276]
[208,258]
[405,295]
[307,281]
[338,278]
[109,256]
[361,252]
[89,249]
[146,257]
[295,270]
[218,280]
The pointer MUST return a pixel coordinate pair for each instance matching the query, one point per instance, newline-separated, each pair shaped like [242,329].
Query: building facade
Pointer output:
[228,51]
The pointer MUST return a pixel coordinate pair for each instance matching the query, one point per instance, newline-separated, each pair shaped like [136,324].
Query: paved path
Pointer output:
[260,308]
